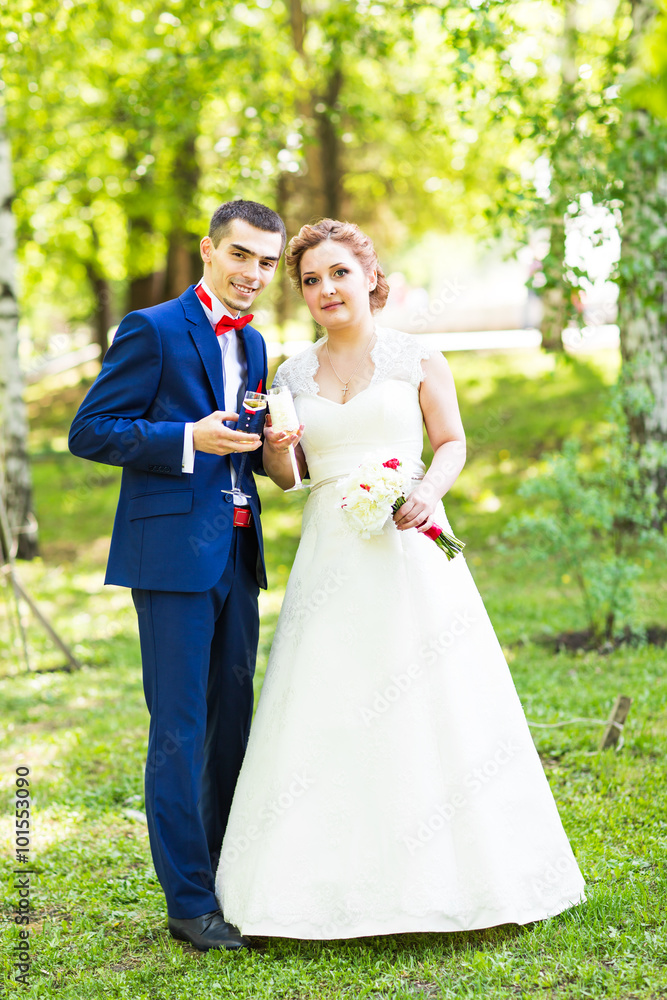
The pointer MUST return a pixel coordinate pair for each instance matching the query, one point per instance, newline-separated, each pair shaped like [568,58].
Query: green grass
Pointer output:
[98,912]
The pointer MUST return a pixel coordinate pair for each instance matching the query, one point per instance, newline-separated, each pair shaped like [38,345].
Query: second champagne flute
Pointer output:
[284,418]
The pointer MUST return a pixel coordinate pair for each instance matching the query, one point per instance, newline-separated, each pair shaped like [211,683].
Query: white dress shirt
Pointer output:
[234,373]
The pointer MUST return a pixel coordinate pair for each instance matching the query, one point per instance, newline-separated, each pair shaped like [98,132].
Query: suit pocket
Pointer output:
[155,504]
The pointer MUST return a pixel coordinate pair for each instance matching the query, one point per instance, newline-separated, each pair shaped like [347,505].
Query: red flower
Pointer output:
[393,463]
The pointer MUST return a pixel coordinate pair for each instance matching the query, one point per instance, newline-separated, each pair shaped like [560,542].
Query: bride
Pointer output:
[390,782]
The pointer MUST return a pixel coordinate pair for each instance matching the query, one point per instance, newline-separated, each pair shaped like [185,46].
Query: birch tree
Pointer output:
[15,481]
[641,163]
[555,298]
[605,138]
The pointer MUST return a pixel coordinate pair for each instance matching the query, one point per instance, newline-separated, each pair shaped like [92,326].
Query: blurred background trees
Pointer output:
[130,122]
[537,124]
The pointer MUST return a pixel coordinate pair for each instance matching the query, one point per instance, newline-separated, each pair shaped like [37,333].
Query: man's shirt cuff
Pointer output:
[188,449]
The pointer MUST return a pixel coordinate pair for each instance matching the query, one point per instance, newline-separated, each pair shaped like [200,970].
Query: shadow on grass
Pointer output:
[398,946]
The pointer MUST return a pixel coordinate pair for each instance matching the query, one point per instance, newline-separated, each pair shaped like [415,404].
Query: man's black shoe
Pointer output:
[208,931]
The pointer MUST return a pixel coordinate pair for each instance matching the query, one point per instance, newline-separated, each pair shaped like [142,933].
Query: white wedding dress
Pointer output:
[390,782]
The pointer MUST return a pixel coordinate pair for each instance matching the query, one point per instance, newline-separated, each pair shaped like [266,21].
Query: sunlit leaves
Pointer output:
[132,117]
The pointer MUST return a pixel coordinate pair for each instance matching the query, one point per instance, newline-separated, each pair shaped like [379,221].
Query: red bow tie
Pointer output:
[227,323]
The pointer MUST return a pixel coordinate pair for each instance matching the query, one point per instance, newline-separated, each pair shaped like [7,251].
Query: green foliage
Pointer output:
[584,91]
[648,82]
[130,122]
[593,519]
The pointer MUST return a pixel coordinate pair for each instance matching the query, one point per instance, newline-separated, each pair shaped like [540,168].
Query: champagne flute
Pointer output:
[251,419]
[284,418]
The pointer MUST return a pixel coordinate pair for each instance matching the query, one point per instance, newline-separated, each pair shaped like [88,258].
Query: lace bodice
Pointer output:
[385,419]
[395,355]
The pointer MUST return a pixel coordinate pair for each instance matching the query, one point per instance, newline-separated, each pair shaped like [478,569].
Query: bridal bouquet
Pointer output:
[377,489]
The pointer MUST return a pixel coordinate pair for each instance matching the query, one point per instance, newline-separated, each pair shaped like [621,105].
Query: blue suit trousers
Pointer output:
[198,653]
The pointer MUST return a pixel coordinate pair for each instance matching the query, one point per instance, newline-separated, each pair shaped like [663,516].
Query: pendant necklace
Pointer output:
[345,382]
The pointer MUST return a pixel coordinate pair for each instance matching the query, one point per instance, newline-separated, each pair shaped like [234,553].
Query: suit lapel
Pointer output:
[206,343]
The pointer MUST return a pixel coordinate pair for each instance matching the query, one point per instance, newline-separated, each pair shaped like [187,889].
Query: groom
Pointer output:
[163,407]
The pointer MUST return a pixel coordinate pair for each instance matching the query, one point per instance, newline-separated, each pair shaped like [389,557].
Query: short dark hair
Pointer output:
[249,211]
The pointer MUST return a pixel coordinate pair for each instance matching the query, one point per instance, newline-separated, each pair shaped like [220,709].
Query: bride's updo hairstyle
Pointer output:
[342,232]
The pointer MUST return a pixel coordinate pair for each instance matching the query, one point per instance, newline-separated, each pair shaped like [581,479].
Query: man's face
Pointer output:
[242,264]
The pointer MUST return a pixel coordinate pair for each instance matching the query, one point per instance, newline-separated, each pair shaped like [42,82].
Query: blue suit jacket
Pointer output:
[164,368]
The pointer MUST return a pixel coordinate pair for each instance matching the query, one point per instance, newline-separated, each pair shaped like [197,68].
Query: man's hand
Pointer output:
[210,435]
[279,441]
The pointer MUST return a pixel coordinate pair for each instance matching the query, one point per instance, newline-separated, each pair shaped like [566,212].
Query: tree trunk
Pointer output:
[143,290]
[642,301]
[15,479]
[102,315]
[179,264]
[319,191]
[330,145]
[182,253]
[554,305]
[298,25]
[196,263]
[557,309]
[283,297]
[642,304]
[102,294]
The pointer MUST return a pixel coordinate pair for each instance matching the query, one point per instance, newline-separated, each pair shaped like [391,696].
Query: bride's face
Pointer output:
[335,286]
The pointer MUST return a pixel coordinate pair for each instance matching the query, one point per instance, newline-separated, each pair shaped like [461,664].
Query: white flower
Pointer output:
[365,511]
[392,483]
[369,493]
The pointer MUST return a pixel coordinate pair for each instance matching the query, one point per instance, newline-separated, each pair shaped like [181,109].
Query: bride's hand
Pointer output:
[416,512]
[279,441]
